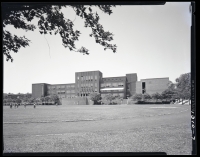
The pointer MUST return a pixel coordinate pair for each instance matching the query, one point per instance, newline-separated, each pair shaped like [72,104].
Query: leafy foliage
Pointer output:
[146,96]
[156,96]
[168,94]
[95,97]
[109,97]
[184,86]
[51,20]
[137,97]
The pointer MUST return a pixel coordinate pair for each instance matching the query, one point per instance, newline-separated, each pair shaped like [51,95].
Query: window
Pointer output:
[77,77]
[120,84]
[95,89]
[95,84]
[95,77]
[143,87]
[102,85]
[108,84]
[91,77]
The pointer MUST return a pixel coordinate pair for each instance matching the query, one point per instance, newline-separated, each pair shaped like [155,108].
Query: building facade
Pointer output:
[93,81]
[152,85]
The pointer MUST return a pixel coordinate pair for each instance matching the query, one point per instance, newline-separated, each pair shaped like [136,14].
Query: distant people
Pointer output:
[24,105]
[10,105]
[56,104]
[34,105]
[15,105]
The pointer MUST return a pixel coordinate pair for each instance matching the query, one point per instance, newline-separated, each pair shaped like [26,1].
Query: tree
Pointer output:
[156,96]
[184,86]
[5,101]
[42,99]
[38,100]
[146,96]
[96,97]
[31,100]
[51,20]
[137,97]
[168,95]
[54,98]
[47,99]
[18,100]
[171,86]
[109,97]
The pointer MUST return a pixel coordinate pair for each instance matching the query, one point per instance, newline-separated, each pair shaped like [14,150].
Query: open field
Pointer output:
[98,128]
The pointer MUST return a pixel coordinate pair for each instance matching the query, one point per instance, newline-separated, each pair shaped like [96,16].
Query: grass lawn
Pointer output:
[98,128]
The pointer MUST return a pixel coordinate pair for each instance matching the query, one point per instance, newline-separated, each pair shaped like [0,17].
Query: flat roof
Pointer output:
[132,73]
[62,84]
[114,77]
[155,78]
[88,71]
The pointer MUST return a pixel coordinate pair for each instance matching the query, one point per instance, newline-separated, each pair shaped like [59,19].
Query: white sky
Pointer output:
[152,41]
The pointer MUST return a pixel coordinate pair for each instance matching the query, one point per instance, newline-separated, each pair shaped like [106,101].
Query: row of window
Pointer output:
[61,92]
[112,79]
[86,78]
[114,94]
[86,85]
[87,94]
[88,90]
[114,84]
[66,96]
[61,87]
[106,91]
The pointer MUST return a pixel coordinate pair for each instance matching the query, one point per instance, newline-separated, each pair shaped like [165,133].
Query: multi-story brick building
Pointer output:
[93,81]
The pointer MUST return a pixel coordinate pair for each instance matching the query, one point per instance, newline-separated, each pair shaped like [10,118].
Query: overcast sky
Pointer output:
[152,41]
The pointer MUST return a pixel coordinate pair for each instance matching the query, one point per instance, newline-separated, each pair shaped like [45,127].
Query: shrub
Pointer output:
[146,97]
[137,97]
[96,97]
[156,96]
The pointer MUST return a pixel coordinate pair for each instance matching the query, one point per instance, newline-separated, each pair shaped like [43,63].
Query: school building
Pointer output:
[93,81]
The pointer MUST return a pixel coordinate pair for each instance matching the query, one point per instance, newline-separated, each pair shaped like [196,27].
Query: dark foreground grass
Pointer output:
[118,128]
